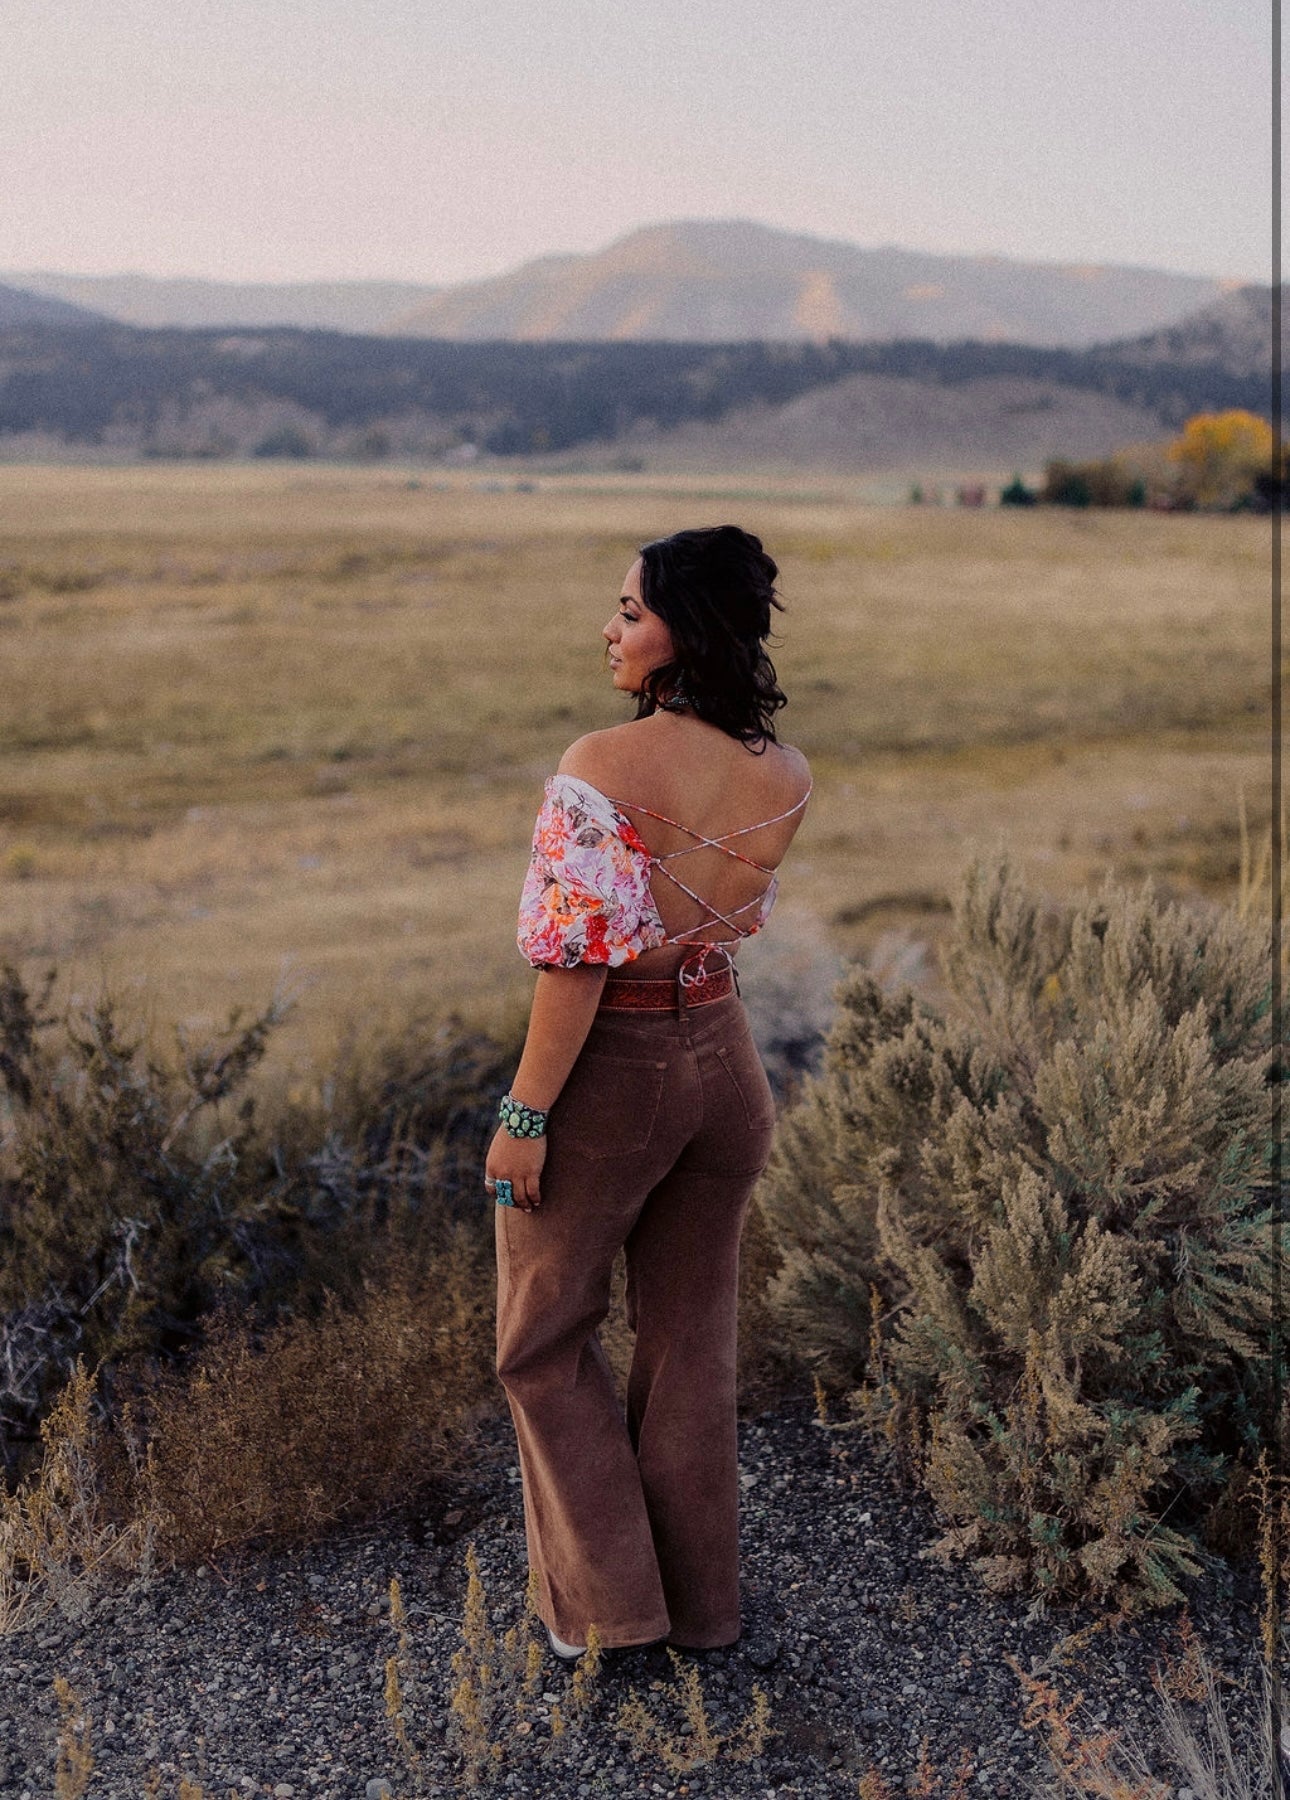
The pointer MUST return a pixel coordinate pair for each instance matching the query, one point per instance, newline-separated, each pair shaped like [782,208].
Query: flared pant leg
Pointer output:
[682,1303]
[585,1518]
[632,1523]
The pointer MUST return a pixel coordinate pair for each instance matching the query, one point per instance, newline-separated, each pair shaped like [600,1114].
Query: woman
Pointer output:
[640,1115]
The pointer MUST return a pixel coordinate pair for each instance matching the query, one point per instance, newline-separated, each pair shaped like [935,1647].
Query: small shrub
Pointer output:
[678,1732]
[924,1784]
[56,1536]
[128,1198]
[494,1714]
[1207,1756]
[139,1194]
[1065,484]
[1061,1198]
[75,1763]
[323,1419]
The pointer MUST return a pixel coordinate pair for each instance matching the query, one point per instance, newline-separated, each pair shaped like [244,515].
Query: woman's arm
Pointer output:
[564,1004]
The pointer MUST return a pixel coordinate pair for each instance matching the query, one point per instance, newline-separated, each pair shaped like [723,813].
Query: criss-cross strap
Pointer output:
[720,842]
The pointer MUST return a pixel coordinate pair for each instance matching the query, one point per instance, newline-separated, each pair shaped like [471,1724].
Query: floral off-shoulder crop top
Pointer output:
[586,897]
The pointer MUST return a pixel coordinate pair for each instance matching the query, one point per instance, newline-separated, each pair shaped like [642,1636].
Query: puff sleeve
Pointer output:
[586,896]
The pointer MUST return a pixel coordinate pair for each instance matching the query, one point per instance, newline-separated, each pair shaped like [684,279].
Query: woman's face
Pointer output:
[638,639]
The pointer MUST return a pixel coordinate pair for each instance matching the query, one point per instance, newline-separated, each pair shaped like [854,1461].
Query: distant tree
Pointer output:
[1017,494]
[1111,484]
[374,445]
[1107,483]
[287,440]
[1269,494]
[1065,484]
[1219,454]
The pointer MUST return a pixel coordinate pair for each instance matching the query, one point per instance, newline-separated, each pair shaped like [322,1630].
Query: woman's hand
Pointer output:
[519,1161]
[564,1004]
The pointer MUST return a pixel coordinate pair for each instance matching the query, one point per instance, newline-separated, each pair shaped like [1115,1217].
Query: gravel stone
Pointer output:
[868,1647]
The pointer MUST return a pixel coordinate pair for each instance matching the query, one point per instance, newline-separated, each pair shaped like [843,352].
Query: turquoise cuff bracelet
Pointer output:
[519,1120]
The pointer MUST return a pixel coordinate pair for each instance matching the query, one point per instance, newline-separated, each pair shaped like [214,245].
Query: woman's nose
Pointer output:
[610,631]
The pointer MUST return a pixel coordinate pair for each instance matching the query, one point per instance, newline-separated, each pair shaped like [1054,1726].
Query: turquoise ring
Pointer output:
[505,1193]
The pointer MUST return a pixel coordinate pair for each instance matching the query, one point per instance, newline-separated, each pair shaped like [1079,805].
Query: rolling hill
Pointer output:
[704,281]
[18,306]
[357,306]
[1233,333]
[867,423]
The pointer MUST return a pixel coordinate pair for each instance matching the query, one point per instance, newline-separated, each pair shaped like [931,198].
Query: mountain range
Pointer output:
[818,362]
[698,281]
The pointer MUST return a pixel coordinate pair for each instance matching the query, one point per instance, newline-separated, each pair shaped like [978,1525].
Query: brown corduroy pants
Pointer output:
[655,1144]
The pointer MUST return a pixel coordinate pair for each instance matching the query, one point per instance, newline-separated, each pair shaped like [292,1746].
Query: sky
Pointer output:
[442,140]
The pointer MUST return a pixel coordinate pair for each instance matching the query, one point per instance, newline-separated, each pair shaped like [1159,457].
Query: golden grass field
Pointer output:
[268,719]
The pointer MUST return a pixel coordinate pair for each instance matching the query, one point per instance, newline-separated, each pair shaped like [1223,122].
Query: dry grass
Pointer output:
[58,1538]
[1255,890]
[926,1783]
[324,1419]
[263,715]
[256,1441]
[75,1762]
[673,1727]
[1198,1749]
[500,1719]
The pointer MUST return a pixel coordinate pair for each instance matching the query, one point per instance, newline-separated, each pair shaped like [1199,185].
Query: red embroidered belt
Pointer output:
[667,996]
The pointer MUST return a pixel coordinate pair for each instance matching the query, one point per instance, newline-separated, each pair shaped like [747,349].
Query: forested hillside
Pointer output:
[125,391]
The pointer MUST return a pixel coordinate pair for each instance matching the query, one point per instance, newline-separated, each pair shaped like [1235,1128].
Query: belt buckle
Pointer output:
[687,983]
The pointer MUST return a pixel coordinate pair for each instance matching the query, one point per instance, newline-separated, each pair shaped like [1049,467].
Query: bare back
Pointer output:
[706,780]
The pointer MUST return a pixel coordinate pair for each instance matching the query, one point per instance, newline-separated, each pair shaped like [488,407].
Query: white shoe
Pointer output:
[566,1652]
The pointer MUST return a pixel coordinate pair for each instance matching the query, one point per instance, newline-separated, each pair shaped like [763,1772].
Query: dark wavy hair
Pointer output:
[714,589]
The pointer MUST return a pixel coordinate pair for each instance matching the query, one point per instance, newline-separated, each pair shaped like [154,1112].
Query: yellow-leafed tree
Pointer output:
[1219,454]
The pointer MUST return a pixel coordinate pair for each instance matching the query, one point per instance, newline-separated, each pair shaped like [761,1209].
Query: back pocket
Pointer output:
[748,1078]
[609,1104]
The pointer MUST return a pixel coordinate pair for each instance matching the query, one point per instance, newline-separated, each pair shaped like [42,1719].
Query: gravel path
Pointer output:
[268,1677]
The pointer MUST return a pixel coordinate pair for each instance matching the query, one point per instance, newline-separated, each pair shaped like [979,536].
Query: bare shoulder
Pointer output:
[794,766]
[599,755]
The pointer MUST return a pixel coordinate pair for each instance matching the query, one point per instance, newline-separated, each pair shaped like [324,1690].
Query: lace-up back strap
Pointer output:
[720,842]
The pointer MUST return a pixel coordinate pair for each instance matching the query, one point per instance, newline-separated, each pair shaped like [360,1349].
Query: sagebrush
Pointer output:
[1042,1234]
[145,1195]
